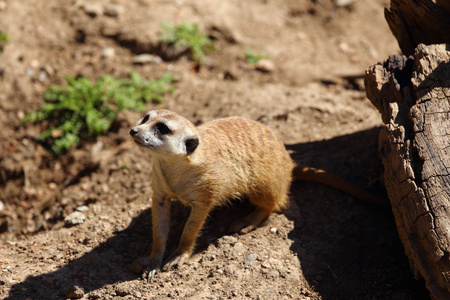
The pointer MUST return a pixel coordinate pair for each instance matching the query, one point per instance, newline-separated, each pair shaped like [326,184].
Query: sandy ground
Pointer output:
[325,245]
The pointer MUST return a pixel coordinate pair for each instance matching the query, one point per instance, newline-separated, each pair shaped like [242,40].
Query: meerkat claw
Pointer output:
[175,260]
[145,266]
[149,274]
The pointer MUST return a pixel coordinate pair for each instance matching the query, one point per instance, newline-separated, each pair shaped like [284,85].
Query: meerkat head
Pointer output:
[166,133]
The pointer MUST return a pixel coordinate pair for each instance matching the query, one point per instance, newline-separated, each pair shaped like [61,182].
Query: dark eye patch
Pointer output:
[145,119]
[162,128]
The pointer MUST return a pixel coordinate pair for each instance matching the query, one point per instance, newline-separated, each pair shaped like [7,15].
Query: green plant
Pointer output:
[187,35]
[253,58]
[81,109]
[4,38]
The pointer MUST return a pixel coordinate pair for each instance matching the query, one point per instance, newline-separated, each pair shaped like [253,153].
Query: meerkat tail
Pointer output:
[320,176]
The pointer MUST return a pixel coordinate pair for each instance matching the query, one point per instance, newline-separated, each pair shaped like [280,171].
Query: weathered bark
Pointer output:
[413,96]
[414,22]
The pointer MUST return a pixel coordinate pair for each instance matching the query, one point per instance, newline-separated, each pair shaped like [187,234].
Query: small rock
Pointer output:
[344,47]
[42,76]
[84,186]
[230,269]
[48,69]
[30,72]
[265,65]
[2,205]
[113,10]
[93,9]
[108,52]
[74,291]
[146,58]
[75,218]
[266,264]
[343,3]
[82,208]
[226,240]
[239,248]
[35,64]
[118,229]
[56,133]
[273,230]
[105,188]
[20,114]
[122,291]
[250,259]
[97,208]
[53,185]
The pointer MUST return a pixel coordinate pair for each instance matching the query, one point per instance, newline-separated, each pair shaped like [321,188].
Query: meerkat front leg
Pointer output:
[194,223]
[149,265]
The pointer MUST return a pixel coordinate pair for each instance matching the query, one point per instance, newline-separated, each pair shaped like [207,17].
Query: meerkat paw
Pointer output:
[149,273]
[250,222]
[175,260]
[241,226]
[146,266]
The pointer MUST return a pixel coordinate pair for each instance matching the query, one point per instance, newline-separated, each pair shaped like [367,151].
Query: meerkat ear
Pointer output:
[191,144]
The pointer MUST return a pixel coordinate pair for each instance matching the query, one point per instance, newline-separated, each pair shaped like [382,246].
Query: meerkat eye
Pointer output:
[145,119]
[162,128]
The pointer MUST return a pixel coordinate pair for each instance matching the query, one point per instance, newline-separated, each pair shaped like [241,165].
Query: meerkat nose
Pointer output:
[134,131]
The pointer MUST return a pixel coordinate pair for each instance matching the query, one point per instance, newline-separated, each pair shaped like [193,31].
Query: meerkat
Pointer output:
[208,165]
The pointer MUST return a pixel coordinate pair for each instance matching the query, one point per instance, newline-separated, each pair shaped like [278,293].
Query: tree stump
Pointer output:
[415,22]
[413,97]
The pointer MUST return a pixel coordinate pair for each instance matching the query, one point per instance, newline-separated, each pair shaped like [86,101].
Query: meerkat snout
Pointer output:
[134,131]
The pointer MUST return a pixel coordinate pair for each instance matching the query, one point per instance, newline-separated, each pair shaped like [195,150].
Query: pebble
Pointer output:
[250,259]
[113,10]
[239,248]
[226,240]
[108,52]
[82,208]
[265,65]
[42,76]
[97,208]
[95,295]
[52,185]
[48,69]
[2,205]
[146,58]
[122,291]
[75,218]
[30,72]
[343,3]
[273,230]
[74,291]
[266,264]
[93,9]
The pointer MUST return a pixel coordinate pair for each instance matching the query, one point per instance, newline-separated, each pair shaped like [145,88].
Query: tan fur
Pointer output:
[235,158]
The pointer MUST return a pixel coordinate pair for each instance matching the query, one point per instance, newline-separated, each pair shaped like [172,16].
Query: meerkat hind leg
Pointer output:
[251,221]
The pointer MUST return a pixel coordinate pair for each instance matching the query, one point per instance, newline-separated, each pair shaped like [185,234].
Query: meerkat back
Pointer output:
[254,159]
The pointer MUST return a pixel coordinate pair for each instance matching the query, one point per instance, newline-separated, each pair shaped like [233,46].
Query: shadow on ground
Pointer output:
[340,242]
